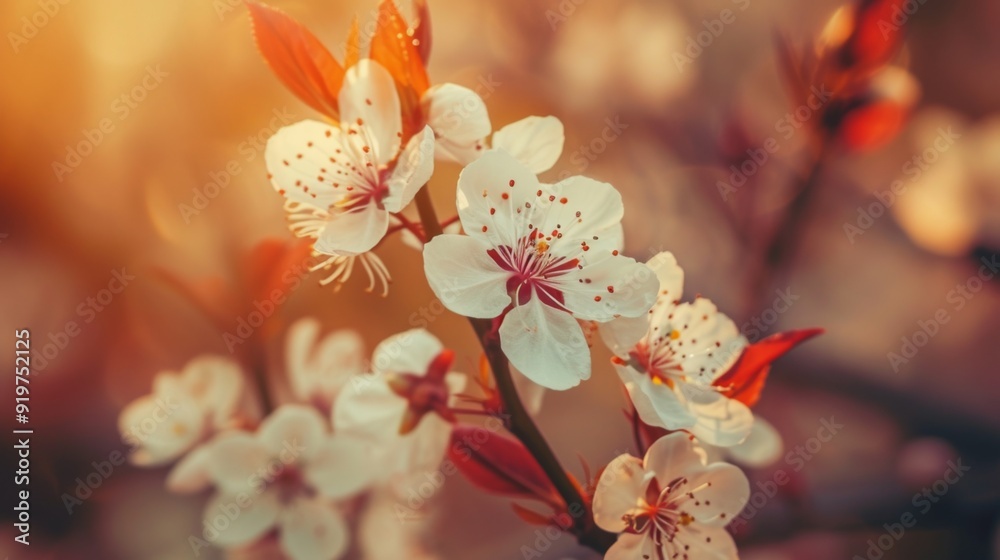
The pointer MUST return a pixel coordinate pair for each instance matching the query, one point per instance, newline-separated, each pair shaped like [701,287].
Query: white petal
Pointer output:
[669,273]
[633,547]
[459,119]
[191,474]
[673,456]
[537,142]
[612,287]
[531,393]
[413,459]
[317,371]
[216,384]
[313,163]
[706,341]
[623,334]
[342,467]
[235,460]
[294,432]
[719,493]
[407,352]
[162,427]
[464,277]
[582,209]
[240,519]
[482,186]
[547,345]
[313,530]
[761,448]
[413,169]
[352,233]
[366,407]
[369,94]
[719,421]
[620,491]
[656,403]
[700,541]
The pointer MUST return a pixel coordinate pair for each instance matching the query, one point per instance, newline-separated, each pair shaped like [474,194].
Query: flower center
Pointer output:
[533,269]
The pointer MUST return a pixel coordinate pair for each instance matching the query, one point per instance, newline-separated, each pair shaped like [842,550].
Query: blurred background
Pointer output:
[131,143]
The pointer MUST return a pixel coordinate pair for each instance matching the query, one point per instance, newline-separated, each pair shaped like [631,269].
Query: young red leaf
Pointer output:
[422,30]
[500,465]
[745,380]
[298,58]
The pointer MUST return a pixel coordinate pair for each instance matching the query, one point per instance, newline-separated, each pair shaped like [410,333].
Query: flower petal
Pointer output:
[624,333]
[707,341]
[368,408]
[464,277]
[407,352]
[674,456]
[656,403]
[216,384]
[191,474]
[717,494]
[620,491]
[761,448]
[294,431]
[368,99]
[413,169]
[582,209]
[459,119]
[670,275]
[235,459]
[633,547]
[719,421]
[312,163]
[609,288]
[313,530]
[547,345]
[341,467]
[318,370]
[491,191]
[698,541]
[257,513]
[161,427]
[353,233]
[537,142]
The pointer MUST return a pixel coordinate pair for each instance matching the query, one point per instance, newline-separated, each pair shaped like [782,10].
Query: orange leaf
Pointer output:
[298,58]
[745,380]
[875,38]
[873,125]
[422,30]
[393,47]
[352,48]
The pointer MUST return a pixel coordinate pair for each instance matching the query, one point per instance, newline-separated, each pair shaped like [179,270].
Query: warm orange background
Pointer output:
[66,232]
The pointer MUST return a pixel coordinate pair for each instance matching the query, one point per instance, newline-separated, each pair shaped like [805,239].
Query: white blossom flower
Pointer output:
[285,476]
[669,362]
[670,504]
[184,410]
[318,369]
[343,181]
[462,126]
[403,406]
[543,256]
[762,447]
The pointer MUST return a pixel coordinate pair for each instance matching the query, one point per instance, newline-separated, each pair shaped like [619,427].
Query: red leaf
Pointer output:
[422,30]
[298,58]
[500,465]
[352,48]
[531,517]
[745,380]
[875,37]
[393,47]
[873,125]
